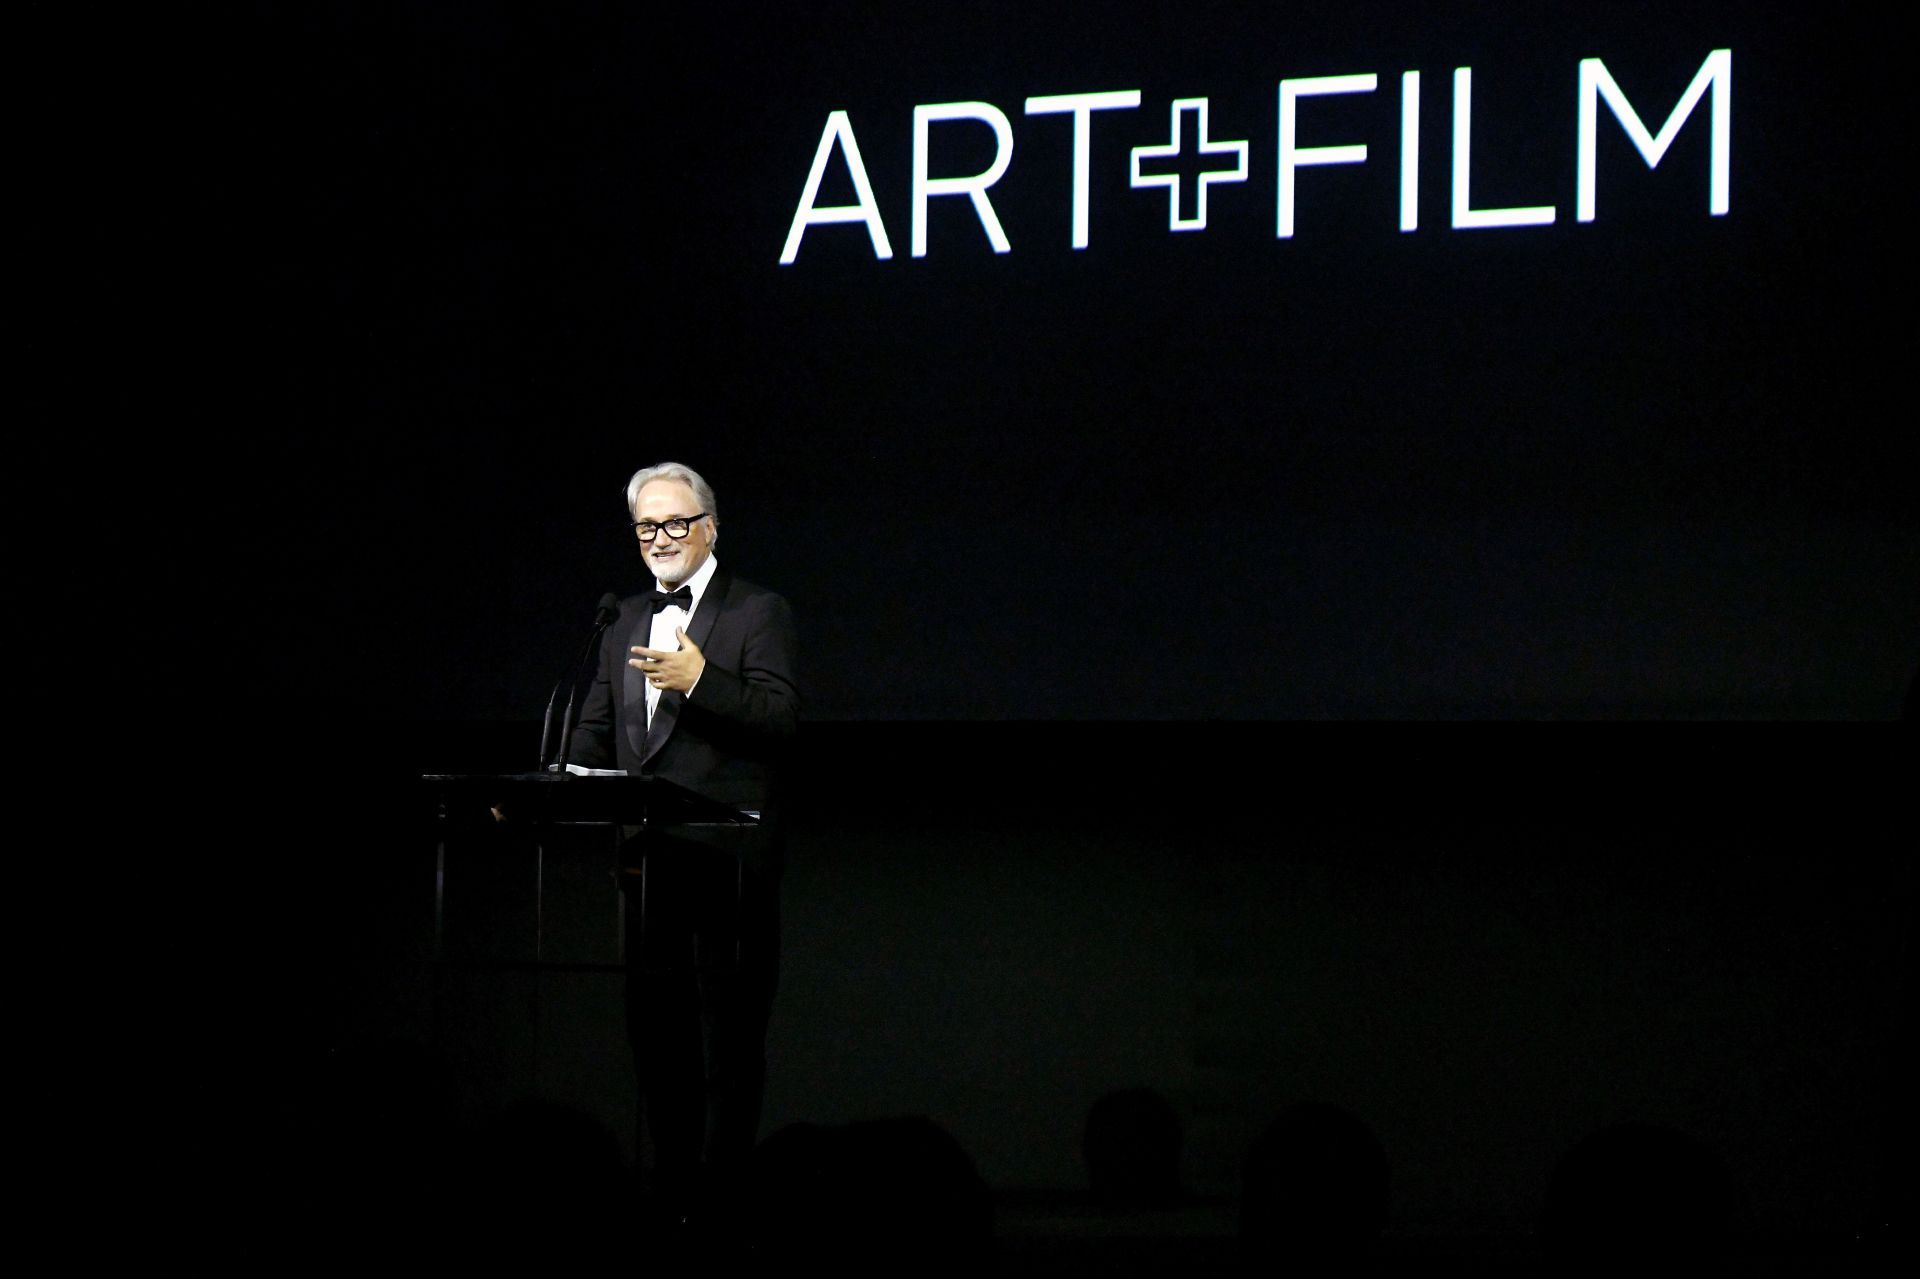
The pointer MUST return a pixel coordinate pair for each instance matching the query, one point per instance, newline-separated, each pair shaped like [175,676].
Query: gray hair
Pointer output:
[702,491]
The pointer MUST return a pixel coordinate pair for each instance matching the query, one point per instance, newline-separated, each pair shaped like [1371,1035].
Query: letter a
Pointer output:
[840,130]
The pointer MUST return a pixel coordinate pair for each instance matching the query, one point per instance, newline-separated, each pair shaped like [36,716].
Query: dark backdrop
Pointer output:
[1651,466]
[1643,466]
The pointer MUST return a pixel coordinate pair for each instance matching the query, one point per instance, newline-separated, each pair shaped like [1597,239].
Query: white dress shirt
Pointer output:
[673,618]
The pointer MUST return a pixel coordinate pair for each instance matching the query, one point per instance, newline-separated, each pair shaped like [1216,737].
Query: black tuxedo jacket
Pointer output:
[729,739]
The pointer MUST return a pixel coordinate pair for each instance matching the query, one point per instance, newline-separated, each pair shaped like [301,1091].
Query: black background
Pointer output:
[1652,465]
[497,257]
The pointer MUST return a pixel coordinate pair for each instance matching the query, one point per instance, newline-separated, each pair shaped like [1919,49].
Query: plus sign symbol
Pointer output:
[1205,175]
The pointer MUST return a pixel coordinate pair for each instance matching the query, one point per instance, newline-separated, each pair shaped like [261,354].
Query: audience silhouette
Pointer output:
[881,1196]
[1315,1189]
[1132,1149]
[1636,1194]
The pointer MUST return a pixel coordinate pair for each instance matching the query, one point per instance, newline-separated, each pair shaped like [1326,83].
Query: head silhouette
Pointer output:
[1636,1191]
[881,1196]
[1132,1149]
[1315,1186]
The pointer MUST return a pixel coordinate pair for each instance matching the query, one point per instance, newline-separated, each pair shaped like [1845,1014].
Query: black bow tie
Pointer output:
[663,599]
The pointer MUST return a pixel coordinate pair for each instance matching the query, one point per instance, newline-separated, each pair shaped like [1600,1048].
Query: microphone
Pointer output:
[603,616]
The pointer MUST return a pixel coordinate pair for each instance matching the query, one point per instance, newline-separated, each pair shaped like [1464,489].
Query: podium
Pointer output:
[513,993]
[650,815]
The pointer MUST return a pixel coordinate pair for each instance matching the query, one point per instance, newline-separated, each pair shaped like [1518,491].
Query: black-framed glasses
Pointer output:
[677,528]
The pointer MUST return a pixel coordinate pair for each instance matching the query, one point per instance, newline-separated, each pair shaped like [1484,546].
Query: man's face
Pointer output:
[673,562]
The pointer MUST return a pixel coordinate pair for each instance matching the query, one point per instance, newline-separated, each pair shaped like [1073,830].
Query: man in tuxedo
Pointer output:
[696,685]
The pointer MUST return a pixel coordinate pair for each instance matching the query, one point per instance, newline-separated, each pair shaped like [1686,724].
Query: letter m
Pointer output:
[1596,82]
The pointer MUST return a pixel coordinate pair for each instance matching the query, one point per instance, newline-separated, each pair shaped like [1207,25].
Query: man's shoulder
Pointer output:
[738,590]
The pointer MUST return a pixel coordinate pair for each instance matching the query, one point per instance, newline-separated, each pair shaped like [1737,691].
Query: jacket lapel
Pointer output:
[667,712]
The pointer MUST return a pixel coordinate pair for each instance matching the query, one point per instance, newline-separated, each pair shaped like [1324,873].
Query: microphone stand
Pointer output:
[567,717]
[609,610]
